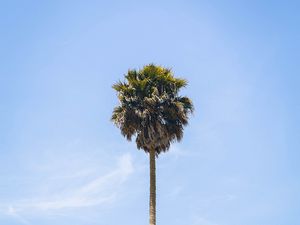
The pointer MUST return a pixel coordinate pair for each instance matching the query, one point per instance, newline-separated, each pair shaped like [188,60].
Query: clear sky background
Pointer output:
[63,162]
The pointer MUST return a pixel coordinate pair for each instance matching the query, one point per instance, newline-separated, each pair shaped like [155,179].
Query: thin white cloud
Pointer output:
[176,151]
[199,220]
[177,190]
[101,190]
[11,211]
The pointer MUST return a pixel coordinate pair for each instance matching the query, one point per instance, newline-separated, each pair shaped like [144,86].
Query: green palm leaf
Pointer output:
[150,108]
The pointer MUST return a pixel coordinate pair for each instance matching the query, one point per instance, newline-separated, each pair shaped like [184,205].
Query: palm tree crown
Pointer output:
[151,109]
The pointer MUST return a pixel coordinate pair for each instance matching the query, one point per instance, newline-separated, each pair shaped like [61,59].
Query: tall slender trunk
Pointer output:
[152,208]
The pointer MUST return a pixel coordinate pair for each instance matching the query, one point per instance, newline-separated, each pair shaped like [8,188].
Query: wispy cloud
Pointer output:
[11,211]
[175,191]
[98,191]
[176,151]
[198,220]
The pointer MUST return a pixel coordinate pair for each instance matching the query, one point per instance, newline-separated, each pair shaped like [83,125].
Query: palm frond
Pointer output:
[150,108]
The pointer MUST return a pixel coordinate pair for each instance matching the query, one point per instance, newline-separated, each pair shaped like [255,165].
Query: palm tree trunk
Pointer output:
[152,208]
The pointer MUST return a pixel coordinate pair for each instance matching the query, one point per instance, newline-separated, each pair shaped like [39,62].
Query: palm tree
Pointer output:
[152,112]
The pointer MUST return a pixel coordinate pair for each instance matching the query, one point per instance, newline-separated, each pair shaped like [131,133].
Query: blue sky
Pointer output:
[63,162]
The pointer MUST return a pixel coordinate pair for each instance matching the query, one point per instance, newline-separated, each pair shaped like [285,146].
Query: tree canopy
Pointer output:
[151,109]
